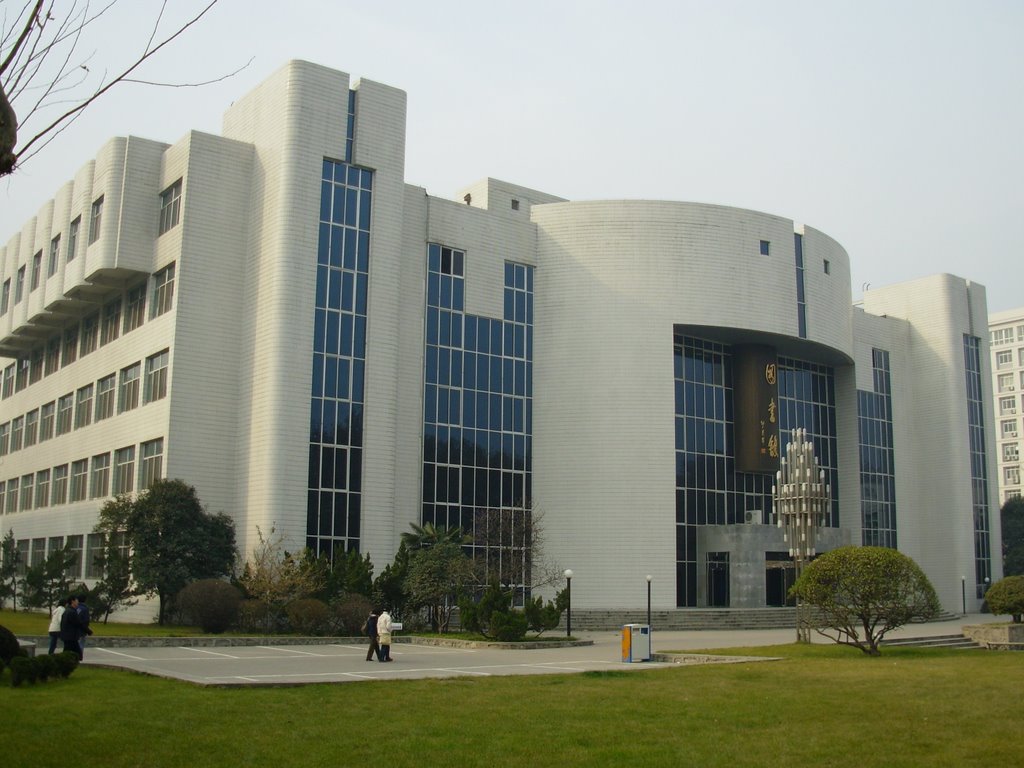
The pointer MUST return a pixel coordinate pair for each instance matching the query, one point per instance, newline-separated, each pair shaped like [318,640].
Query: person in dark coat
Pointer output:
[71,628]
[370,630]
[83,614]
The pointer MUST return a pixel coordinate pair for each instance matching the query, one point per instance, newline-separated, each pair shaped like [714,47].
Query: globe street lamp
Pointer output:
[568,602]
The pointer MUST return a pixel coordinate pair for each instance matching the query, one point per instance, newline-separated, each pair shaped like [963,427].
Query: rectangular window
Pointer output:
[27,488]
[111,322]
[766,247]
[83,408]
[170,206]
[31,427]
[51,264]
[79,474]
[70,353]
[65,407]
[36,372]
[17,430]
[46,420]
[124,470]
[60,484]
[105,397]
[1007,406]
[156,376]
[5,442]
[152,463]
[19,285]
[12,496]
[100,476]
[1002,336]
[1005,382]
[1011,475]
[828,266]
[52,355]
[1011,452]
[90,334]
[37,270]
[135,311]
[5,298]
[73,237]
[128,396]
[94,556]
[3,496]
[1004,359]
[38,552]
[9,380]
[96,220]
[163,292]
[42,489]
[21,378]
[74,549]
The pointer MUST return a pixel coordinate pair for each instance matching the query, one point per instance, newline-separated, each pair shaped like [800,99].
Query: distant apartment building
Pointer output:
[1006,339]
[277,317]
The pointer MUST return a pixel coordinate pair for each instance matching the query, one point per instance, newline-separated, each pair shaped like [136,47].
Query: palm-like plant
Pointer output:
[428,535]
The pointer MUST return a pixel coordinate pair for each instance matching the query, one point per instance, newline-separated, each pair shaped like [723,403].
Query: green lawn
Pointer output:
[23,623]
[820,706]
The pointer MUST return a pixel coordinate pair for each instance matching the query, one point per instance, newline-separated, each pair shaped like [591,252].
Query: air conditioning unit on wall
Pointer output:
[754,517]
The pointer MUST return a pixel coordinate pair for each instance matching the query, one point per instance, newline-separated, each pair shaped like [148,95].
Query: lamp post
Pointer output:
[649,577]
[568,602]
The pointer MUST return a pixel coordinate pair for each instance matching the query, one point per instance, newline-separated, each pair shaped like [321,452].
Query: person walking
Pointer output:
[71,627]
[55,617]
[384,625]
[83,615]
[370,630]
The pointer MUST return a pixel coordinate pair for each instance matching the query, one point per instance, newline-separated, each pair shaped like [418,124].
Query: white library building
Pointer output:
[276,317]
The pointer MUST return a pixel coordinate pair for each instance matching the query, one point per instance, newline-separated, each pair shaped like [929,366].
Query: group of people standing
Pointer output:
[69,623]
[378,628]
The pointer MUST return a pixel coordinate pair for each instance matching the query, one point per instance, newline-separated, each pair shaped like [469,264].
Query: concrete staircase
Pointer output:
[687,619]
[936,641]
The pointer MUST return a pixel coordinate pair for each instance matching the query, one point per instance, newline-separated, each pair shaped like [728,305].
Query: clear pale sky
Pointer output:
[894,127]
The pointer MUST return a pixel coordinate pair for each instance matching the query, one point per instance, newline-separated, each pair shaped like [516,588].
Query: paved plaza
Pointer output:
[346,662]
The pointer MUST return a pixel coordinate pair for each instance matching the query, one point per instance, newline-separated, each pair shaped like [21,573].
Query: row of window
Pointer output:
[1004,359]
[32,552]
[1002,336]
[118,316]
[170,215]
[93,402]
[106,474]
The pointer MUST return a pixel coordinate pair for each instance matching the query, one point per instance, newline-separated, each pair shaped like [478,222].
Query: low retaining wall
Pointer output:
[997,637]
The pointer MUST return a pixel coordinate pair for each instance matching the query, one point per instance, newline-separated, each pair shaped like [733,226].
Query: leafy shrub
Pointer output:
[1007,597]
[212,604]
[508,627]
[257,616]
[23,670]
[47,665]
[9,647]
[308,616]
[348,615]
[67,662]
[541,617]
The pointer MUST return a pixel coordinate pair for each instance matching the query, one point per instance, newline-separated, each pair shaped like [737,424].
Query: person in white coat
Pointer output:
[54,629]
[384,625]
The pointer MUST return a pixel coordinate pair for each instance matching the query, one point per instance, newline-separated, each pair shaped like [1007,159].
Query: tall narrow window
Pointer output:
[12,496]
[124,470]
[51,265]
[90,334]
[170,206]
[37,270]
[73,237]
[60,485]
[128,397]
[79,475]
[96,220]
[105,397]
[83,407]
[46,419]
[42,488]
[152,463]
[52,355]
[70,353]
[5,442]
[111,322]
[135,311]
[27,492]
[100,476]
[31,427]
[17,432]
[163,292]
[19,285]
[5,297]
[156,376]
[65,408]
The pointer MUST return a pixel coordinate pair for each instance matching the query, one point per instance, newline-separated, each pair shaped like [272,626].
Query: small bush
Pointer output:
[67,662]
[47,665]
[211,604]
[23,670]
[508,627]
[308,616]
[348,615]
[9,647]
[256,616]
[1006,596]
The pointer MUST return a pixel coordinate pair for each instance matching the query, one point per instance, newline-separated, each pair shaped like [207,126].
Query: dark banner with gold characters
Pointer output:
[756,408]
